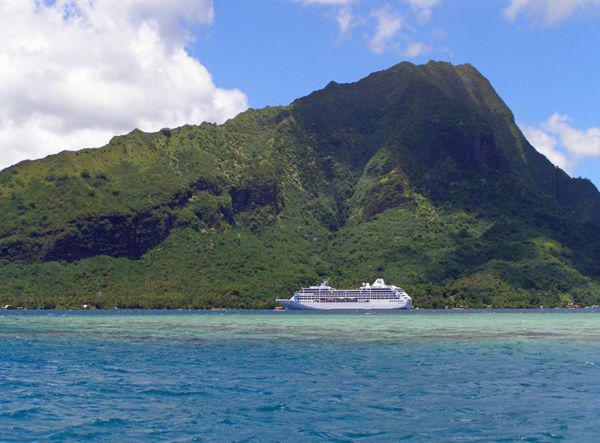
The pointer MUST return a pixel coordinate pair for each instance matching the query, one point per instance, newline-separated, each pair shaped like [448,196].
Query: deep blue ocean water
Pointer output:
[275,376]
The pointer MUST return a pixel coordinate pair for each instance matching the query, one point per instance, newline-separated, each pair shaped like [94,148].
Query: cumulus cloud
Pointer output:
[547,144]
[388,23]
[562,143]
[73,73]
[549,12]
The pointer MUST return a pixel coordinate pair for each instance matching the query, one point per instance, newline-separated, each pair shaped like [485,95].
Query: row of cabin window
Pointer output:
[373,297]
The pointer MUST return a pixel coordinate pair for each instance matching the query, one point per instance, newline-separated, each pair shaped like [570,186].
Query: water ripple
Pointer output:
[269,377]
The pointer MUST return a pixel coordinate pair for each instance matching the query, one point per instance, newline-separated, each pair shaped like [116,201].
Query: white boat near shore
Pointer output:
[377,296]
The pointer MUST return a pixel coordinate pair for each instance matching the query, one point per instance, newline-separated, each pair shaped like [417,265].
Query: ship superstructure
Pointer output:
[375,296]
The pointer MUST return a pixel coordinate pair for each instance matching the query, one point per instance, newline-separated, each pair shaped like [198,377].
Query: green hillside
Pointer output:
[417,174]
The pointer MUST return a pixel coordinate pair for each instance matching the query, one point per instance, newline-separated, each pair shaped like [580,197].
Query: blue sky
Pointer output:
[74,73]
[278,50]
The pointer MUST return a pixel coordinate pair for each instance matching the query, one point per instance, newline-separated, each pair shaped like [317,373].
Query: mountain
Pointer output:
[417,174]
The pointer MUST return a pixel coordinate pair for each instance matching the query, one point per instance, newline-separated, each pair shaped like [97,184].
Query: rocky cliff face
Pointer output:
[416,173]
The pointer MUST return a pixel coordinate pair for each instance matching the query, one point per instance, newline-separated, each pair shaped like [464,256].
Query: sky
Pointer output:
[74,73]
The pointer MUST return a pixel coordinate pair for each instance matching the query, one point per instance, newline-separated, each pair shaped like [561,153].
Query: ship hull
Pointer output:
[379,305]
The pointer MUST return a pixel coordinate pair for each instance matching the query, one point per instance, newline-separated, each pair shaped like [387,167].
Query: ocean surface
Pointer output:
[300,376]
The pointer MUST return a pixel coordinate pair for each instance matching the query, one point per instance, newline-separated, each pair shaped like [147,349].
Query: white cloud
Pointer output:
[73,73]
[550,12]
[388,24]
[326,2]
[415,49]
[424,7]
[579,143]
[424,4]
[344,16]
[546,144]
[344,19]
[563,144]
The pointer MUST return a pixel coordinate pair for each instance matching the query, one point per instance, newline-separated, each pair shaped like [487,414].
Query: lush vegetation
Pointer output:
[417,174]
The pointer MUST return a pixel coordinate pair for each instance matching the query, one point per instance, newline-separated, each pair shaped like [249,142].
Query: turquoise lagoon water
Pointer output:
[275,376]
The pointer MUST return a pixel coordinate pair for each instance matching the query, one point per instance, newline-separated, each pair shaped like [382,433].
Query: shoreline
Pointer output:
[217,310]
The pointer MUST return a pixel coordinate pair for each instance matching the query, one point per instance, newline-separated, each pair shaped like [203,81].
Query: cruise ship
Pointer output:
[376,296]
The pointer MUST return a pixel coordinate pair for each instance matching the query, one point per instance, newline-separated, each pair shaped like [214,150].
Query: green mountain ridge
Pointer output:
[417,174]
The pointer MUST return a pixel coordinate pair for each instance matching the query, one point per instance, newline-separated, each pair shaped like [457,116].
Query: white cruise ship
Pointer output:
[324,297]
